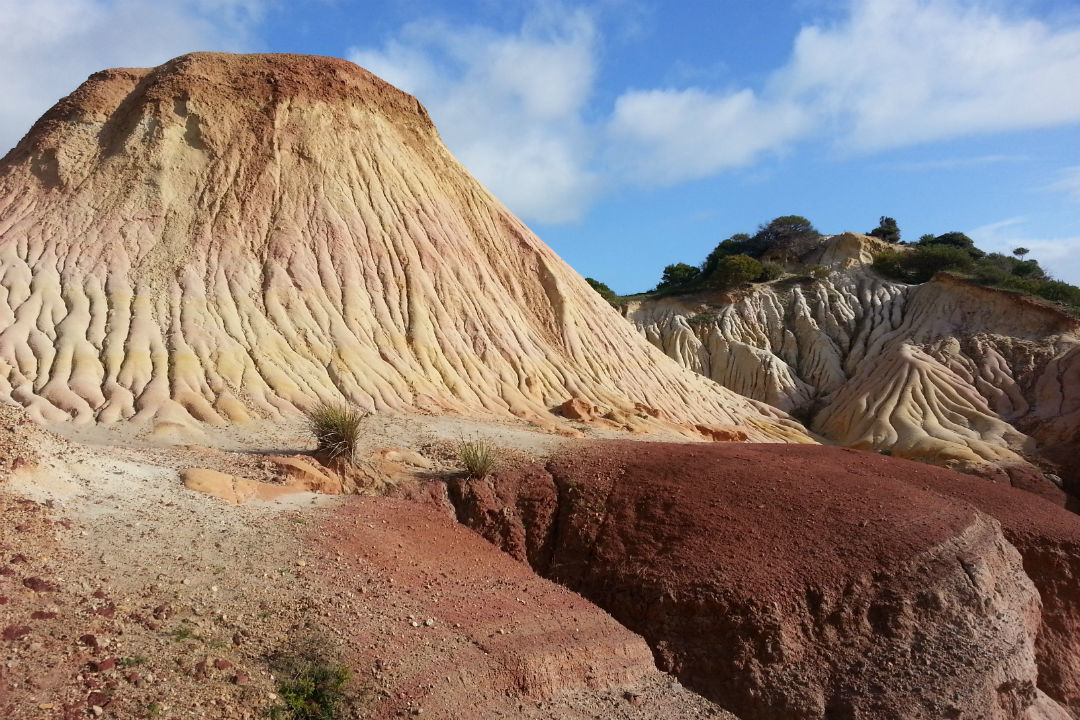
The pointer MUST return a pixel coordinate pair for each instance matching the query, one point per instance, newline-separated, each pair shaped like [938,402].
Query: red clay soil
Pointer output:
[781,581]
[1048,539]
[447,626]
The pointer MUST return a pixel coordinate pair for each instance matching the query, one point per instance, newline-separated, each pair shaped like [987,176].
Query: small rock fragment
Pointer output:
[14,632]
[39,585]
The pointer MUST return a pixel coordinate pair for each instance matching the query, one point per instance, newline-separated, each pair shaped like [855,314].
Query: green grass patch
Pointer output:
[313,683]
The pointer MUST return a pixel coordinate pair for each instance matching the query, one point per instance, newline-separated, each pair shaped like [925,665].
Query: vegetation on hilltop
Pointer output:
[742,259]
[886,230]
[955,252]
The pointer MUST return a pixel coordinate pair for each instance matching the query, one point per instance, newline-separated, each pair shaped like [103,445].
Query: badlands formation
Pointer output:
[225,238]
[192,255]
[946,372]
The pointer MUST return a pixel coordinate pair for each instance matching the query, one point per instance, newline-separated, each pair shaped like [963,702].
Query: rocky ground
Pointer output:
[805,580]
[123,594]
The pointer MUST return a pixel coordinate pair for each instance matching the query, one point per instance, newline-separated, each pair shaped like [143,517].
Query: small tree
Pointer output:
[733,271]
[887,230]
[1020,252]
[677,275]
[737,244]
[790,235]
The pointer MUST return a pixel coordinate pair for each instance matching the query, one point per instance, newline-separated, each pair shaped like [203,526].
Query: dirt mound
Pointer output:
[228,236]
[801,582]
[122,590]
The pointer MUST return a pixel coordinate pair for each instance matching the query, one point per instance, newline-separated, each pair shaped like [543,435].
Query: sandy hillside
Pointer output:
[946,372]
[226,238]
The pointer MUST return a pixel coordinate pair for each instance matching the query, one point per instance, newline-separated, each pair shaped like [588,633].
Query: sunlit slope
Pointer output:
[225,237]
[946,372]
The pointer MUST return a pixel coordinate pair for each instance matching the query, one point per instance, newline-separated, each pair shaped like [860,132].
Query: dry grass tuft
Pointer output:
[336,427]
[479,457]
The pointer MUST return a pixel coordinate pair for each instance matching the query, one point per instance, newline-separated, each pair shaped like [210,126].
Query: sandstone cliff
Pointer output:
[225,237]
[944,372]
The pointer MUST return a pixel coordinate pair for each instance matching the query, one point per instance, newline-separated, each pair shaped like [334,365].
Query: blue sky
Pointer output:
[633,133]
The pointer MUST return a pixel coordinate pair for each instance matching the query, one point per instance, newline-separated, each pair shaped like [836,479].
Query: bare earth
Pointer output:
[126,595]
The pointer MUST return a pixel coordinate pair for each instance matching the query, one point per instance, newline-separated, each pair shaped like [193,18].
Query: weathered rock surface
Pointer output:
[226,236]
[945,372]
[801,582]
[1048,538]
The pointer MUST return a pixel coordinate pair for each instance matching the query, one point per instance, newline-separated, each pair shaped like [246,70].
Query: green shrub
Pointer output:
[478,457]
[953,239]
[312,684]
[336,427]
[677,275]
[1059,292]
[923,262]
[890,263]
[737,244]
[926,261]
[929,257]
[733,271]
[770,271]
[1028,268]
[818,272]
[988,274]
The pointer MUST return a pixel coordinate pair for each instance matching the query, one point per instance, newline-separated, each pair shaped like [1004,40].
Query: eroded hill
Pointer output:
[945,372]
[231,237]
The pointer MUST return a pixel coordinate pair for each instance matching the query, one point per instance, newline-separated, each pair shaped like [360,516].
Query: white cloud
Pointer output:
[891,73]
[1060,257]
[51,46]
[667,136]
[900,72]
[508,105]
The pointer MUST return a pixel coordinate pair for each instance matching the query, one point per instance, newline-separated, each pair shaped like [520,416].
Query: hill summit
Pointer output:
[234,236]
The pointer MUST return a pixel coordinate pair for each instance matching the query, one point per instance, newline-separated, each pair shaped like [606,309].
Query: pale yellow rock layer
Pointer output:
[944,372]
[226,236]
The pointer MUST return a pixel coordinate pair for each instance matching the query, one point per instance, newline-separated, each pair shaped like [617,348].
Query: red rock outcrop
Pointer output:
[1048,538]
[800,582]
